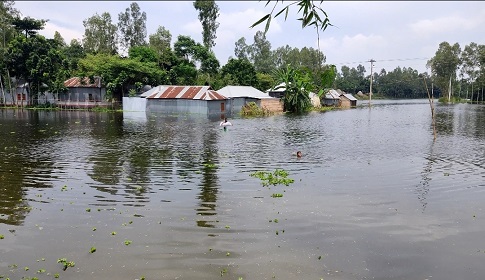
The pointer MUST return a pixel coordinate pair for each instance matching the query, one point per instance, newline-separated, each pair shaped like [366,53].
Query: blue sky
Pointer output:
[394,33]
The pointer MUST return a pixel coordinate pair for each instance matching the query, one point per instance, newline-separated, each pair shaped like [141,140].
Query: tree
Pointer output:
[297,87]
[187,49]
[58,38]
[28,25]
[208,13]
[444,64]
[241,51]
[100,34]
[161,42]
[261,55]
[241,71]
[121,74]
[132,27]
[36,60]
[143,54]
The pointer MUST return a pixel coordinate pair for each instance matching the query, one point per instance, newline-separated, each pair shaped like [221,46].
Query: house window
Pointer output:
[91,99]
[21,96]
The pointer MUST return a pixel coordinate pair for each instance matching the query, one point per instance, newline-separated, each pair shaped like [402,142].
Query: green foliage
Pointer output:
[189,52]
[265,81]
[65,263]
[328,76]
[297,87]
[143,54]
[261,55]
[242,72]
[132,27]
[208,13]
[160,42]
[36,60]
[312,15]
[251,109]
[277,177]
[445,64]
[120,74]
[100,34]
[28,25]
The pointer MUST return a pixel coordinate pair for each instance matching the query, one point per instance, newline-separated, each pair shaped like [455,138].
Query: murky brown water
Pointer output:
[374,197]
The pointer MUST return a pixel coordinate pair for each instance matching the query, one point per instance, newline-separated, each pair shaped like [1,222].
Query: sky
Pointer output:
[393,33]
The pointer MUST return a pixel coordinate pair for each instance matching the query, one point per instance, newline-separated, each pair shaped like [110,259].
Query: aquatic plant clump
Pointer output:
[279,176]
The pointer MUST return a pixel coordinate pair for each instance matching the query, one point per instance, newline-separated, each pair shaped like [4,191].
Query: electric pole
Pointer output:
[370,91]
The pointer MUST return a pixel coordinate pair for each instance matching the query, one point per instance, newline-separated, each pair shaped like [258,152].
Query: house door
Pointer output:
[223,108]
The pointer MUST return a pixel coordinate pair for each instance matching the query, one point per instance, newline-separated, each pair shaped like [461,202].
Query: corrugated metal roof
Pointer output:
[332,94]
[183,92]
[84,83]
[350,96]
[242,91]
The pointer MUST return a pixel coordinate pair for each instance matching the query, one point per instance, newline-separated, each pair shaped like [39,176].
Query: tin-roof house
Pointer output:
[239,96]
[332,98]
[83,93]
[178,99]
[348,100]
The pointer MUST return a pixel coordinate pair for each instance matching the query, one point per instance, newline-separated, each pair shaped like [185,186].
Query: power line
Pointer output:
[384,60]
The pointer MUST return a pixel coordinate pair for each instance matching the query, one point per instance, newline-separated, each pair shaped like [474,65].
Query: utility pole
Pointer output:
[370,91]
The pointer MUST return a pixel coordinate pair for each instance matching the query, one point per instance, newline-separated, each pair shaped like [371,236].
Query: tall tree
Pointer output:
[241,51]
[58,38]
[161,42]
[444,64]
[261,54]
[186,48]
[100,34]
[132,27]
[208,13]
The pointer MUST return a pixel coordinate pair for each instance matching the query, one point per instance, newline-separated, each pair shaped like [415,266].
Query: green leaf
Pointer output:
[261,20]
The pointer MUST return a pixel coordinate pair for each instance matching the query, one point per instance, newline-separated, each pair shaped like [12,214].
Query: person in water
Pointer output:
[225,122]
[298,154]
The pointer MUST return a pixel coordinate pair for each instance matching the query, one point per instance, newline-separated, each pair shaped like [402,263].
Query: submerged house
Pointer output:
[332,98]
[83,93]
[339,98]
[239,96]
[348,100]
[179,99]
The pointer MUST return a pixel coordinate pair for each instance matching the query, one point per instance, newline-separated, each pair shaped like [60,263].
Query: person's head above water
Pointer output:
[298,154]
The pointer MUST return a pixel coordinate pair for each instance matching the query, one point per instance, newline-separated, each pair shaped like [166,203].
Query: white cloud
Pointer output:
[447,24]
[67,33]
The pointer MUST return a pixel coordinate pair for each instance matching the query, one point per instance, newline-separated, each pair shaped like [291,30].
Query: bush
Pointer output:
[251,109]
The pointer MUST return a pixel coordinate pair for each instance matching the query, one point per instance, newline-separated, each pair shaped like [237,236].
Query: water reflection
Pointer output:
[209,187]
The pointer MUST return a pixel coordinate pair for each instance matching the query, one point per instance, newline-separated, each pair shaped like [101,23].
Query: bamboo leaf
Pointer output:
[267,25]
[260,20]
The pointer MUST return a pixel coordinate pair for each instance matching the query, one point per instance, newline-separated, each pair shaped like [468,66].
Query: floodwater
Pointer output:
[171,197]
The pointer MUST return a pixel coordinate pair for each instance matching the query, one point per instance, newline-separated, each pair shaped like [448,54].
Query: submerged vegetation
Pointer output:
[277,177]
[251,109]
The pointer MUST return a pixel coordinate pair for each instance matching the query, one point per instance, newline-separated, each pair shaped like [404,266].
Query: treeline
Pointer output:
[126,58]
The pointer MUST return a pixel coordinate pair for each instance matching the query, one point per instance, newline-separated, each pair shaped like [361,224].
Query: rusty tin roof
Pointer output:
[183,92]
[85,83]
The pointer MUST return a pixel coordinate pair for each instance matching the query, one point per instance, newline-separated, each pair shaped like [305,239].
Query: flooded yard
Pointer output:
[127,196]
